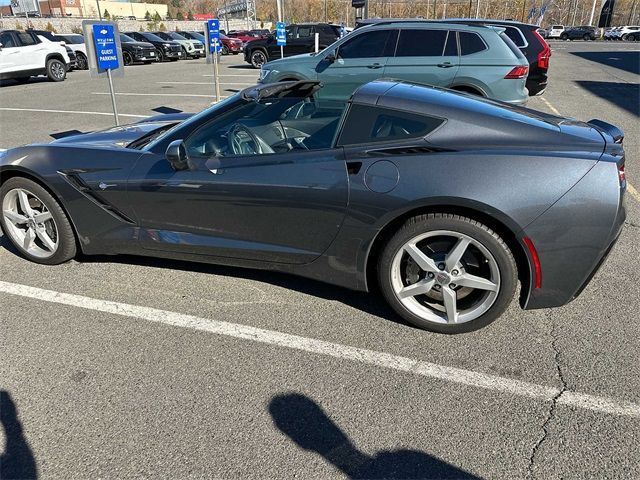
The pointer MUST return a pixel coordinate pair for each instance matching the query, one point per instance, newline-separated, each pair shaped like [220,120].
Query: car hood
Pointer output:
[125,134]
[139,44]
[293,60]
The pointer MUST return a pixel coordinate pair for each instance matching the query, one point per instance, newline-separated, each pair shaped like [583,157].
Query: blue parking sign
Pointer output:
[281,34]
[214,35]
[105,45]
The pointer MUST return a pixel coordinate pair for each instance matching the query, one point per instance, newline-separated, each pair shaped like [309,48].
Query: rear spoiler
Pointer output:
[612,130]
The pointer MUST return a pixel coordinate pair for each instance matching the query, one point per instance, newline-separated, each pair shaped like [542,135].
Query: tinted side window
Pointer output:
[470,43]
[421,43]
[304,32]
[451,48]
[369,45]
[25,38]
[516,36]
[6,39]
[366,124]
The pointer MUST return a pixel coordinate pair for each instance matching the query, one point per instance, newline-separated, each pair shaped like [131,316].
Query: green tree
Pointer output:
[162,27]
[179,16]
[106,14]
[190,15]
[147,16]
[156,17]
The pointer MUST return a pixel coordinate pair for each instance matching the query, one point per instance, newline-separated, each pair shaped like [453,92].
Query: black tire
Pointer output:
[185,55]
[586,37]
[67,241]
[258,58]
[56,70]
[81,61]
[225,50]
[160,55]
[127,58]
[564,37]
[481,233]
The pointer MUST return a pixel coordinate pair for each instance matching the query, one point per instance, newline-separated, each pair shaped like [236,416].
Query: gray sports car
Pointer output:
[440,201]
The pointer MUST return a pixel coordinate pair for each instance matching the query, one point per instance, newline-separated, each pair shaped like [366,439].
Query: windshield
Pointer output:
[151,37]
[126,38]
[175,36]
[73,39]
[199,36]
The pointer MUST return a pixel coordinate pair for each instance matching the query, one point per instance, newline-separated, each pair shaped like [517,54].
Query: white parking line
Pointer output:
[156,94]
[206,83]
[336,350]
[110,114]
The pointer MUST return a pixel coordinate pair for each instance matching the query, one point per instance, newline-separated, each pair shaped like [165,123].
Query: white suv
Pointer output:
[629,33]
[24,55]
[555,31]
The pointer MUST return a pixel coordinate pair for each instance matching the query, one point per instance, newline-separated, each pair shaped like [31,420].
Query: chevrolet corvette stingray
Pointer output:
[441,202]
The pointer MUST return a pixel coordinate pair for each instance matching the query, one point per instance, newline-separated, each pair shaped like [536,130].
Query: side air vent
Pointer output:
[76,182]
[408,150]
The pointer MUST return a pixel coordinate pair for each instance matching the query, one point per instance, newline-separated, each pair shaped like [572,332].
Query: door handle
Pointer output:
[374,66]
[445,65]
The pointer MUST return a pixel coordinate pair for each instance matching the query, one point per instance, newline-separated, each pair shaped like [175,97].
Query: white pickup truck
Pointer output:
[23,55]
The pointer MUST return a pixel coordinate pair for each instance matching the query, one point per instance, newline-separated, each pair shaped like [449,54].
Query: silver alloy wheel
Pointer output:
[258,58]
[29,223]
[58,70]
[441,289]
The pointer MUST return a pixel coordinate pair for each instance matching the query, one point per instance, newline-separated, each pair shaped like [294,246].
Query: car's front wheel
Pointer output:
[447,273]
[81,61]
[225,50]
[564,36]
[258,58]
[160,55]
[586,37]
[128,59]
[56,70]
[35,223]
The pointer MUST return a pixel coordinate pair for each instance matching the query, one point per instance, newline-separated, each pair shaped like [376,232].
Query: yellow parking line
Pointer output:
[630,188]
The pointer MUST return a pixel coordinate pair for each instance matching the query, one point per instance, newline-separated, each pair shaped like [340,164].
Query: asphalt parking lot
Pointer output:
[136,367]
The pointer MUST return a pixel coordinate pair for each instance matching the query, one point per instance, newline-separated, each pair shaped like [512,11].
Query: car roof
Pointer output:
[431,24]
[461,20]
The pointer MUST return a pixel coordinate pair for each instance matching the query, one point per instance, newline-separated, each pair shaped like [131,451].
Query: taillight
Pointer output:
[537,270]
[518,72]
[545,54]
[621,176]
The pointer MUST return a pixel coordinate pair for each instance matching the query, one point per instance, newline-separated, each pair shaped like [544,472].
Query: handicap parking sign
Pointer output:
[214,35]
[105,45]
[281,34]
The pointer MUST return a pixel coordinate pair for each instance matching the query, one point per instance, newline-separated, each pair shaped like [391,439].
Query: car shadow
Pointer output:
[18,460]
[627,61]
[244,67]
[15,83]
[623,95]
[370,303]
[310,428]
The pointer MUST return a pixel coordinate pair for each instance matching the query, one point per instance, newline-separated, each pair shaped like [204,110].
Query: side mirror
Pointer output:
[331,57]
[176,155]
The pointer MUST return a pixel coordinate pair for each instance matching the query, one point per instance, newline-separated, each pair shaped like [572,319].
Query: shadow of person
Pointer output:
[17,461]
[302,420]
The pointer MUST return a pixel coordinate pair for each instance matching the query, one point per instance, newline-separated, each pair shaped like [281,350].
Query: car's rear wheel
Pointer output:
[258,58]
[56,70]
[35,223]
[81,61]
[586,37]
[564,36]
[447,273]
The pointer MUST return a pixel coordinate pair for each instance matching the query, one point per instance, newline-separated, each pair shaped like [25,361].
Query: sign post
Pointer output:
[281,37]
[215,46]
[105,58]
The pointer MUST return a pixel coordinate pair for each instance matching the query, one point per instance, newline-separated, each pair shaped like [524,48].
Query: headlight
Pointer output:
[166,45]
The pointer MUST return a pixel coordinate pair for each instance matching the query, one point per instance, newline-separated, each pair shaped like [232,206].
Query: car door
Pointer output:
[302,40]
[358,60]
[280,207]
[9,53]
[425,55]
[33,50]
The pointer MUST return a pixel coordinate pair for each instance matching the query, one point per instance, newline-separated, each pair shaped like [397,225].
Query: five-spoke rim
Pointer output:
[445,277]
[58,69]
[30,223]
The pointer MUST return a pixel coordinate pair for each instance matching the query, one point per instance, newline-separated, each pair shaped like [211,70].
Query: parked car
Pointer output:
[584,32]
[527,38]
[23,55]
[300,39]
[442,201]
[629,33]
[76,42]
[134,51]
[244,36]
[190,48]
[229,45]
[474,59]
[165,49]
[608,32]
[47,36]
[543,33]
[555,31]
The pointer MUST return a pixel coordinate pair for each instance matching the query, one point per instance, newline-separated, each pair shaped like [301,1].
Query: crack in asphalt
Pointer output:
[631,224]
[554,401]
